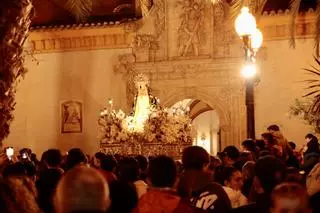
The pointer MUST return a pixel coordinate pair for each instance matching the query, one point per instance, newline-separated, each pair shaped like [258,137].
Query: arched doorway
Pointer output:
[206,124]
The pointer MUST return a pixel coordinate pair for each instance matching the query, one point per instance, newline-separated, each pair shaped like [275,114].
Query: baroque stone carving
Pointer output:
[191,27]
[126,68]
[159,10]
[147,43]
[81,42]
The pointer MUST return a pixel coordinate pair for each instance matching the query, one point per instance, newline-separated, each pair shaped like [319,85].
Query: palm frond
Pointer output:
[235,8]
[146,6]
[294,6]
[317,36]
[80,9]
[260,7]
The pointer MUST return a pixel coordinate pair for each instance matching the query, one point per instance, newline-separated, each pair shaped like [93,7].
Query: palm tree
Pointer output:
[82,9]
[15,19]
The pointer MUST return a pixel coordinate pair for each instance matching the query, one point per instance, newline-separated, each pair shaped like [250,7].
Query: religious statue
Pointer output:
[190,27]
[142,105]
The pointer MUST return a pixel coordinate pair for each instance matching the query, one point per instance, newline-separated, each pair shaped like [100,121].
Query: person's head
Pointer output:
[309,137]
[75,156]
[98,157]
[195,158]
[261,144]
[269,172]
[82,189]
[292,145]
[109,163]
[273,128]
[128,169]
[231,155]
[124,197]
[232,178]
[249,145]
[18,194]
[30,169]
[14,170]
[290,198]
[269,139]
[53,158]
[162,172]
[143,162]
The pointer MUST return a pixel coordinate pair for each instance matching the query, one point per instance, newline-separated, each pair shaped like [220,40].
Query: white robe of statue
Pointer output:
[142,107]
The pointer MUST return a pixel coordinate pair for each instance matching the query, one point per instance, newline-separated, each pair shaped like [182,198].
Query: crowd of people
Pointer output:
[267,175]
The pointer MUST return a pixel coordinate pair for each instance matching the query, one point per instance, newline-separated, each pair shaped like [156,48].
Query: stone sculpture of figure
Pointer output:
[190,28]
[142,106]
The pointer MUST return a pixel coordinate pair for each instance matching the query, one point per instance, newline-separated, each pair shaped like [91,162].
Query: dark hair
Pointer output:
[250,145]
[108,163]
[291,191]
[218,174]
[53,157]
[75,157]
[270,171]
[143,162]
[227,173]
[100,155]
[270,138]
[232,152]
[292,145]
[14,170]
[195,157]
[162,171]
[128,169]
[311,136]
[124,197]
[30,168]
[273,127]
[260,144]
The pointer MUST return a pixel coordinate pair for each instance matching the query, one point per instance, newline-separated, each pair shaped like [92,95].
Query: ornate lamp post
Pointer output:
[252,38]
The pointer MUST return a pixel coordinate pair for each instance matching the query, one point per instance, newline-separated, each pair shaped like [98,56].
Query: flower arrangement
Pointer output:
[163,126]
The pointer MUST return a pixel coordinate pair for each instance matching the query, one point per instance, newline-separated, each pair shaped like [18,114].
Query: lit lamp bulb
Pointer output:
[245,23]
[110,101]
[249,71]
[256,40]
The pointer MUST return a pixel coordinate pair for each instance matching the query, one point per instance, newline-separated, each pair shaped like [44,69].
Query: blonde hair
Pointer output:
[291,191]
[82,189]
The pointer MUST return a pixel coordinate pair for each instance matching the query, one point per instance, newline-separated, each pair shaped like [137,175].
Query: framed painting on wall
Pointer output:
[71,117]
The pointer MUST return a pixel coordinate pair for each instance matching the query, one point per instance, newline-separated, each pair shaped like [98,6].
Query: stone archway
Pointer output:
[178,94]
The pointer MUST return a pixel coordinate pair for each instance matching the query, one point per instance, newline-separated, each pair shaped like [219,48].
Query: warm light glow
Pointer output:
[256,39]
[249,71]
[245,23]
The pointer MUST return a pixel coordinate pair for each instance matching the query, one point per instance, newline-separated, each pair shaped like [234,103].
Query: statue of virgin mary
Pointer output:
[142,105]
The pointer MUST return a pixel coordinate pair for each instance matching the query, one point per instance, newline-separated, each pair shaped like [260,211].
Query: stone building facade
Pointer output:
[188,49]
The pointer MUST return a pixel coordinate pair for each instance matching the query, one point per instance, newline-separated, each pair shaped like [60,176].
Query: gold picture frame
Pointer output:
[71,117]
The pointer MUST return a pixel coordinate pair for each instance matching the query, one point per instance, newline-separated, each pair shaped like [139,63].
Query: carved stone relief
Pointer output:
[223,34]
[159,12]
[191,27]
[147,45]
[126,68]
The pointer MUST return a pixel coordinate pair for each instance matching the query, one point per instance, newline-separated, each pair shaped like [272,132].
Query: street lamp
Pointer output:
[246,28]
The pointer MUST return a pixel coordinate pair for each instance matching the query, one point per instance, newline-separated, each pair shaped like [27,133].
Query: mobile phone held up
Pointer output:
[9,152]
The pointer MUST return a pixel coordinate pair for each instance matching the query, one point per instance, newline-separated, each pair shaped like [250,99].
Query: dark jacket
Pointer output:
[309,161]
[203,193]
